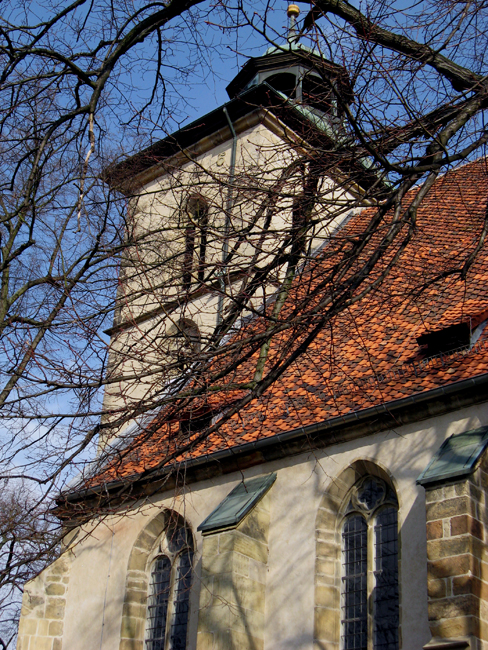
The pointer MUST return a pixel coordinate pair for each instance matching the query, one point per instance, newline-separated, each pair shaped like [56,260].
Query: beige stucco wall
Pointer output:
[99,563]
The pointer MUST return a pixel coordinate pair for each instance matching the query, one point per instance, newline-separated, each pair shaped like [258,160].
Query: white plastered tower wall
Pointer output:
[150,298]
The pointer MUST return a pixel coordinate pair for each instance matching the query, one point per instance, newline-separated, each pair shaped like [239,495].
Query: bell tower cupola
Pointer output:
[299,75]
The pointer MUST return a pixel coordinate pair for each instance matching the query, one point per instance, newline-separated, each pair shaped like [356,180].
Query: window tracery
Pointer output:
[369,590]
[169,591]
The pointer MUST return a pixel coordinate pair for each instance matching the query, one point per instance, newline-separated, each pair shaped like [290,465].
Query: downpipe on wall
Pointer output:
[228,210]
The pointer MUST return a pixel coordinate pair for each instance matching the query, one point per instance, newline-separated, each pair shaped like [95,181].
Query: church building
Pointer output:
[346,507]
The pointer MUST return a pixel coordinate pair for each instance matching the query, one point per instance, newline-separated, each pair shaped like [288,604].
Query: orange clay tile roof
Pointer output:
[369,355]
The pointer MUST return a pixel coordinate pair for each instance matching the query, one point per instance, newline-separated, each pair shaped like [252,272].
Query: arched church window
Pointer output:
[196,226]
[169,591]
[370,594]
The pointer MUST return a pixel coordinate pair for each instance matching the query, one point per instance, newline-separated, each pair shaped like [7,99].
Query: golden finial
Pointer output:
[293,11]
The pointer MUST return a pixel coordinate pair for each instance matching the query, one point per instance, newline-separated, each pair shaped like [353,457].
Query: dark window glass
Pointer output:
[169,592]
[386,600]
[157,608]
[370,591]
[179,621]
[354,584]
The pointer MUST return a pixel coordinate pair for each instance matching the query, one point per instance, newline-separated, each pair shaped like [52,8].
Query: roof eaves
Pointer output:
[353,425]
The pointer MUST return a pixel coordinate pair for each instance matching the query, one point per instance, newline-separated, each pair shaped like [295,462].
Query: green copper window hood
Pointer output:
[232,510]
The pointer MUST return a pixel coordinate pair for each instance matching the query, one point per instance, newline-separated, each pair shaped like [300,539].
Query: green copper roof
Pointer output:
[456,457]
[230,512]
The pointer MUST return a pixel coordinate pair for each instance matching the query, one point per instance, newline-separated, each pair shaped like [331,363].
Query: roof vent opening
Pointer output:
[455,337]
[196,424]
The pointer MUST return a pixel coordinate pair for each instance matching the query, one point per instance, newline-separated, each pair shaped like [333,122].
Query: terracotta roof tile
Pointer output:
[373,356]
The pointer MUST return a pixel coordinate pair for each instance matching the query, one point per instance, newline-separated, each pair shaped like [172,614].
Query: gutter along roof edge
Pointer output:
[440,401]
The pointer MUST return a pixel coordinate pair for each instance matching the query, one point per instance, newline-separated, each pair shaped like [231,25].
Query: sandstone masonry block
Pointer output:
[205,641]
[157,525]
[248,622]
[325,566]
[440,548]
[466,605]
[339,486]
[40,643]
[227,562]
[325,519]
[236,541]
[466,585]
[137,585]
[42,627]
[238,640]
[34,601]
[326,596]
[55,608]
[131,644]
[60,566]
[132,628]
[434,494]
[257,571]
[328,536]
[330,503]
[327,550]
[135,597]
[256,525]
[462,524]
[134,610]
[55,589]
[138,560]
[449,508]
[326,624]
[325,645]
[483,632]
[28,626]
[434,529]
[436,588]
[146,540]
[210,545]
[455,627]
[55,628]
